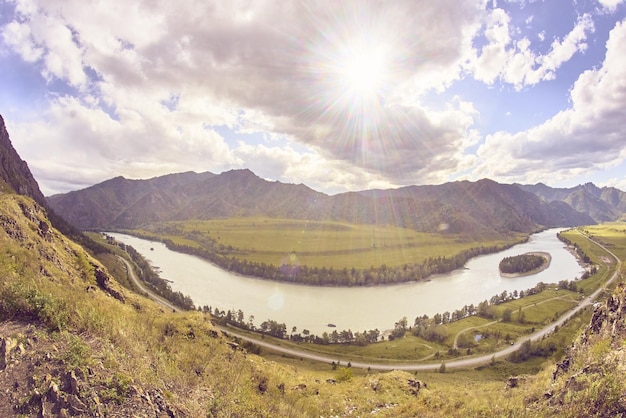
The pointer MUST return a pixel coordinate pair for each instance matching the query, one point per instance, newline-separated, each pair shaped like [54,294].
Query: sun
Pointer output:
[361,70]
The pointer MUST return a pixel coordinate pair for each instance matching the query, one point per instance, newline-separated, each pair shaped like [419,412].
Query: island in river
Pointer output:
[525,264]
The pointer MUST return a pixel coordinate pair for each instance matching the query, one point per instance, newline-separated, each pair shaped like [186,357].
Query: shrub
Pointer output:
[21,300]
[344,374]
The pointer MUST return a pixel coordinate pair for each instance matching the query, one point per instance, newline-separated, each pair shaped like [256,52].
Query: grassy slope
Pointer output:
[137,344]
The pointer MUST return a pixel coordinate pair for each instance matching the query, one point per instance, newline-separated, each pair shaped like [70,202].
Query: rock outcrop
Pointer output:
[589,381]
[44,384]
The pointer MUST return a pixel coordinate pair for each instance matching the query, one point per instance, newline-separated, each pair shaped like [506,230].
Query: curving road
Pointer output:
[158,299]
[451,364]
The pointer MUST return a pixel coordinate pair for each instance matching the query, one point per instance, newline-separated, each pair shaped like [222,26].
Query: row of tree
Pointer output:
[429,328]
[279,330]
[151,278]
[579,251]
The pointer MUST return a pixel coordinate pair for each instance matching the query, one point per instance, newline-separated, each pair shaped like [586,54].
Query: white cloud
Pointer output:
[586,138]
[610,5]
[254,67]
[575,41]
[18,37]
[514,61]
[75,143]
[41,37]
[157,81]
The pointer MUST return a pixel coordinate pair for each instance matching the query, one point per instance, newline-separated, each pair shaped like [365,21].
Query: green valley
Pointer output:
[327,253]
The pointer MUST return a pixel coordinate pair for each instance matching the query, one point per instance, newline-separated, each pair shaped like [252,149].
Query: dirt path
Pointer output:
[158,299]
[456,338]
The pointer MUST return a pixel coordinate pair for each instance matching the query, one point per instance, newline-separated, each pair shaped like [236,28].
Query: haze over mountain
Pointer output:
[473,208]
[602,204]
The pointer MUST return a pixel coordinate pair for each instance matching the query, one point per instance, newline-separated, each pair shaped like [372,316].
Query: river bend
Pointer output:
[355,308]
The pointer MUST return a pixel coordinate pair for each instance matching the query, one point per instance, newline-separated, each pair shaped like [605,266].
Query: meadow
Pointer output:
[317,244]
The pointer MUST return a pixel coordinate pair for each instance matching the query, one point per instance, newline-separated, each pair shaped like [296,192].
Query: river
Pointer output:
[355,308]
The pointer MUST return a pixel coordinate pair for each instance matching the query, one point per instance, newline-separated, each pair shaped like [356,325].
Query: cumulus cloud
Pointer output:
[18,37]
[513,61]
[610,5]
[147,88]
[585,138]
[265,67]
[88,145]
[48,39]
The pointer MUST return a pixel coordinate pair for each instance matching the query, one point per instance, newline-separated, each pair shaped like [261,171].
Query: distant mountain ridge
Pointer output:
[602,204]
[481,208]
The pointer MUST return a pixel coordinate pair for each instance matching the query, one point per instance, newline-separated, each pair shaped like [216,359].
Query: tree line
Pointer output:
[428,328]
[151,278]
[579,251]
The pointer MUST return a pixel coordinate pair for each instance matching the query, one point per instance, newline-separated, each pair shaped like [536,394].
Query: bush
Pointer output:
[344,374]
[20,300]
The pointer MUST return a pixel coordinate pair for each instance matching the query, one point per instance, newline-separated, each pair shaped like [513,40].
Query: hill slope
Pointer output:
[483,208]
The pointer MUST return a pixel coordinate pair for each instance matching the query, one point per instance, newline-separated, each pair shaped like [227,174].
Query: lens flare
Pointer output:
[361,70]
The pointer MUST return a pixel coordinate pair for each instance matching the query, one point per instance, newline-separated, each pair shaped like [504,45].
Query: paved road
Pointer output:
[450,364]
[158,299]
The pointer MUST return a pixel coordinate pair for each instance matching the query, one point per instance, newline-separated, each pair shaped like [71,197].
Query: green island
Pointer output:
[524,264]
[322,253]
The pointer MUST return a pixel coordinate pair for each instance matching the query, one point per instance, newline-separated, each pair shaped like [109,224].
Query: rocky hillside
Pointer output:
[74,343]
[14,172]
[483,208]
[590,380]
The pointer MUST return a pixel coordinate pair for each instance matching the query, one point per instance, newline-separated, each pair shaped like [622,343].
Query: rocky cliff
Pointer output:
[14,171]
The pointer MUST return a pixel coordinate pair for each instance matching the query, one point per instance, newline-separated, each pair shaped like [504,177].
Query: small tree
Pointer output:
[521,318]
[506,315]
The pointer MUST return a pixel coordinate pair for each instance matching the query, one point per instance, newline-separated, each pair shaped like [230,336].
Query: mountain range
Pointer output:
[481,208]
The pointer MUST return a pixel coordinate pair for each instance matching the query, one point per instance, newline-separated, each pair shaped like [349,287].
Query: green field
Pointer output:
[315,243]
[331,244]
[538,310]
[613,236]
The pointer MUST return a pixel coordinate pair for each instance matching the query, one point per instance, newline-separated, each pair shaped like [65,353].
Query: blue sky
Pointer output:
[339,96]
